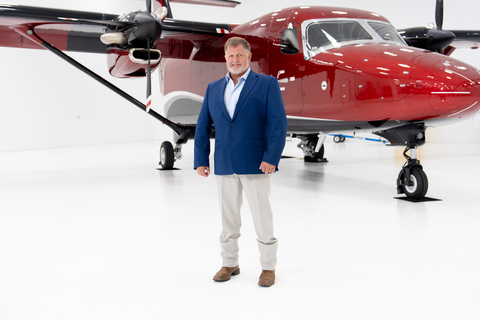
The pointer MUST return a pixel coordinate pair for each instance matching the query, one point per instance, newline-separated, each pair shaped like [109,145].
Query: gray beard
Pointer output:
[238,72]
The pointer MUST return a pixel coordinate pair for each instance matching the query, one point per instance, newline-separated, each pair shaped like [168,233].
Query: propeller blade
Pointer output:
[149,72]
[149,6]
[439,14]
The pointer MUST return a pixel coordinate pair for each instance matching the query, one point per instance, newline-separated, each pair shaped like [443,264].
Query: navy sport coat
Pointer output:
[256,133]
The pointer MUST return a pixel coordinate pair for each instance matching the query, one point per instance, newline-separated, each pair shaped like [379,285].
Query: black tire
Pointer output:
[337,139]
[167,155]
[317,156]
[419,184]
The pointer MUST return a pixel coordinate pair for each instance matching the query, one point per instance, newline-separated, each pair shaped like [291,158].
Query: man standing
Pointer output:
[250,123]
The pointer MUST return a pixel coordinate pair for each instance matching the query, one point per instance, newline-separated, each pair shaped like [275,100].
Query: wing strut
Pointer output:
[184,132]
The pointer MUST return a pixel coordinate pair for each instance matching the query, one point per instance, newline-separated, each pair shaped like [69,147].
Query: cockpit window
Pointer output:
[386,32]
[331,33]
[320,35]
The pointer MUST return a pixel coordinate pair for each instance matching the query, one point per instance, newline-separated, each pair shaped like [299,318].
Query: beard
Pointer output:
[237,71]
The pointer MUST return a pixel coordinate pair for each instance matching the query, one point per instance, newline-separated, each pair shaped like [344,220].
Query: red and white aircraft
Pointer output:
[339,69]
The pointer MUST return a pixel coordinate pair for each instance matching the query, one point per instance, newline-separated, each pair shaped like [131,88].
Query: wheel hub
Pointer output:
[413,184]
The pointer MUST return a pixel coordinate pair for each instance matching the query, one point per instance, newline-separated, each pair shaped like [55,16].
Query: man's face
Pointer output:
[238,59]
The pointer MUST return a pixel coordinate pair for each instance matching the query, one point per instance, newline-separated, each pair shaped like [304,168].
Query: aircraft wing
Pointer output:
[80,31]
[469,39]
[133,43]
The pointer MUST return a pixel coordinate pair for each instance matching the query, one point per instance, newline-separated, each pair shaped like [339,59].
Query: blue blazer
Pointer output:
[256,133]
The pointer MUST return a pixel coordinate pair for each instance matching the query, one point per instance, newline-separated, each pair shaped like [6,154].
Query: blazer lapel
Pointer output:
[224,107]
[247,87]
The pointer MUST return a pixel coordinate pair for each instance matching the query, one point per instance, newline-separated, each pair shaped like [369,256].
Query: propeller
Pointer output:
[432,37]
[148,28]
[140,31]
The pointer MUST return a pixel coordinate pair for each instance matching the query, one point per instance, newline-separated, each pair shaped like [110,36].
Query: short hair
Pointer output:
[235,41]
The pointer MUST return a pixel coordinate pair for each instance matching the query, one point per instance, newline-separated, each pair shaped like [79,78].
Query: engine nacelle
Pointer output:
[126,63]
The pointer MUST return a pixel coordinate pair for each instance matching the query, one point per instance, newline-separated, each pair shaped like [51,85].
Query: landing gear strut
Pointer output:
[312,147]
[412,180]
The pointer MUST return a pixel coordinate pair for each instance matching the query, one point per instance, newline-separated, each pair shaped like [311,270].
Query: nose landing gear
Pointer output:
[412,180]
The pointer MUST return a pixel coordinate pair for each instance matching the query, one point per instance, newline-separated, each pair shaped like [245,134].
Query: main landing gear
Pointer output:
[412,180]
[312,147]
[168,153]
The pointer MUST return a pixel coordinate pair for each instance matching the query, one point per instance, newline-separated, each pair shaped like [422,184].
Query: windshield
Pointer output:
[386,32]
[331,33]
[323,35]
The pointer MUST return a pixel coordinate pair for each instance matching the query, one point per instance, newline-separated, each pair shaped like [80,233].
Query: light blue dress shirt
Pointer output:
[232,92]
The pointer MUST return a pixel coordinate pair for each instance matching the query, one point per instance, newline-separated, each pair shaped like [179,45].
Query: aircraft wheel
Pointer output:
[167,155]
[337,139]
[419,184]
[317,156]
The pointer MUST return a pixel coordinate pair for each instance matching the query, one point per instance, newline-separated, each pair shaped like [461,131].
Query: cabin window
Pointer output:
[331,33]
[289,42]
[386,32]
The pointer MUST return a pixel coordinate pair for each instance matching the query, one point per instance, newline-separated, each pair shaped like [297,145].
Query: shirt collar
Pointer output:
[244,77]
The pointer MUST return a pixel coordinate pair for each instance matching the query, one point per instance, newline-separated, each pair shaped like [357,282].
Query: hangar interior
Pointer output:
[90,228]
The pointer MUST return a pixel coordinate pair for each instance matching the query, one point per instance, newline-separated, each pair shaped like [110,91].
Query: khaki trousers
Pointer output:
[257,189]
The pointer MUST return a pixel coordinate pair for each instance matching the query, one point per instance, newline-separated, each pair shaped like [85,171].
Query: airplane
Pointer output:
[339,69]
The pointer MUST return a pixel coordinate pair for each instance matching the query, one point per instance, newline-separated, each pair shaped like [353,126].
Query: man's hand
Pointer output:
[203,171]
[267,167]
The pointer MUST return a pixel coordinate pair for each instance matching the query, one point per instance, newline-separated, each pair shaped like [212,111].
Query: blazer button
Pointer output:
[231,124]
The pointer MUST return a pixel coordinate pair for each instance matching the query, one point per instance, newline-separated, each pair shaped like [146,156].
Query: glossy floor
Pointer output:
[98,232]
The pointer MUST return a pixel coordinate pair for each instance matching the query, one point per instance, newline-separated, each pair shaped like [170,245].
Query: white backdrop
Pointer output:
[47,103]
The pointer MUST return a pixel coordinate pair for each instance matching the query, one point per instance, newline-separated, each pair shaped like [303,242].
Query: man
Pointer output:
[250,123]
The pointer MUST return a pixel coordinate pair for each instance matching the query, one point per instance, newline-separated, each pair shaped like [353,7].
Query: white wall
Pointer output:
[47,103]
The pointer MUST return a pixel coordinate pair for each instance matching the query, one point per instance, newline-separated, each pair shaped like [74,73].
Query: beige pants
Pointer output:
[257,190]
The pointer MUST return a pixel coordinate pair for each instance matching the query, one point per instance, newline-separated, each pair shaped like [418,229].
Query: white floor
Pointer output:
[98,232]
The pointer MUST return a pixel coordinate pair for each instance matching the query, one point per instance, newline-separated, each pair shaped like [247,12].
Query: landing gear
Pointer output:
[312,147]
[412,180]
[167,156]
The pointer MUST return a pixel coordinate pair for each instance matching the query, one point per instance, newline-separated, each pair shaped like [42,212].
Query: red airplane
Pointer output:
[339,69]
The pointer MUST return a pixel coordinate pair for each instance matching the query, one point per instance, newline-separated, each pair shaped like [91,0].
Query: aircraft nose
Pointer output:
[454,89]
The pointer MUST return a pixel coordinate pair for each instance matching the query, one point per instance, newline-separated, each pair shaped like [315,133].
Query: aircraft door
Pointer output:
[288,66]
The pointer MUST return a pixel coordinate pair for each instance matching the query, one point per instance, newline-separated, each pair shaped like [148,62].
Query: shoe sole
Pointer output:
[266,285]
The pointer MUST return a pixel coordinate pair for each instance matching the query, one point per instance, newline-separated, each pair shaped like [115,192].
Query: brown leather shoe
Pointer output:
[267,278]
[225,273]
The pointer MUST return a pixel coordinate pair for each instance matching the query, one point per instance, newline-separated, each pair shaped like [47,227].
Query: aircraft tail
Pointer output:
[218,3]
